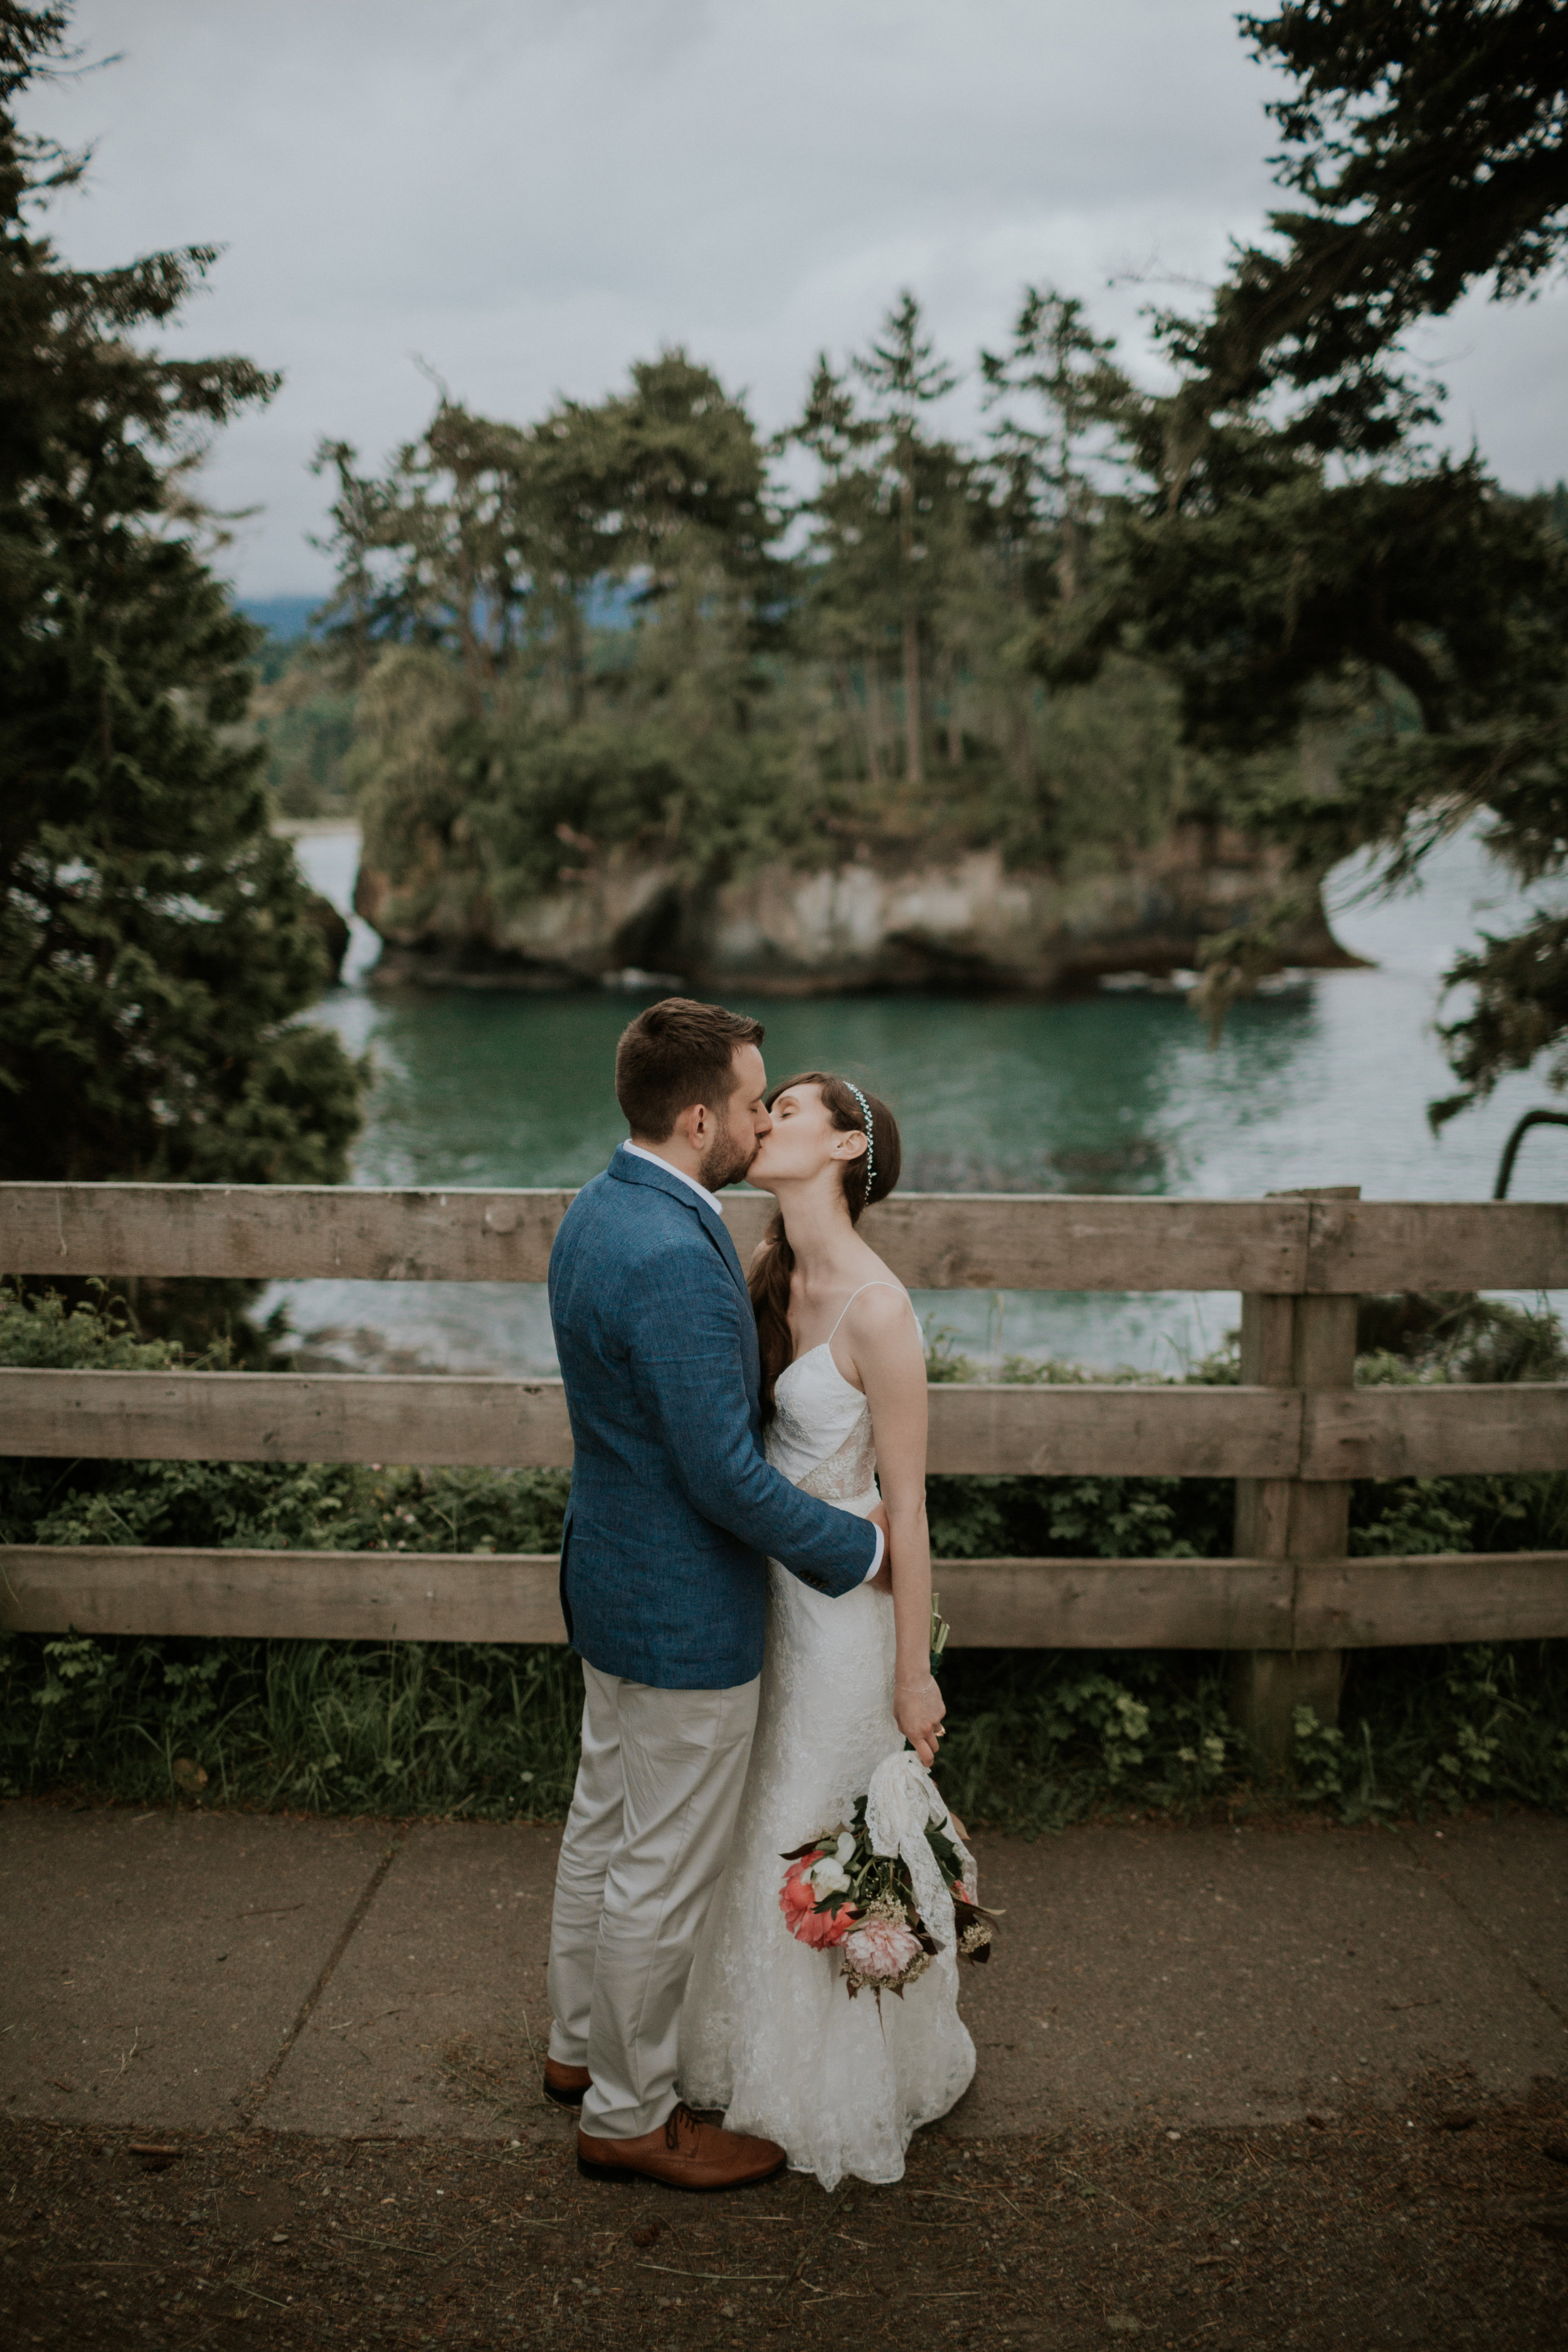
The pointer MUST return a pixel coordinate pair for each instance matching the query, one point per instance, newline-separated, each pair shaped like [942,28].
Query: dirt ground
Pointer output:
[1441,2225]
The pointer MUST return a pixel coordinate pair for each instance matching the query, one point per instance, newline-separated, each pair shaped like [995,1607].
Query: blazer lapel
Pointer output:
[715,1225]
[629,1170]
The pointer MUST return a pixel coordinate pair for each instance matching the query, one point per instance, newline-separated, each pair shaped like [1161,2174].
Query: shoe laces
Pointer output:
[680,2118]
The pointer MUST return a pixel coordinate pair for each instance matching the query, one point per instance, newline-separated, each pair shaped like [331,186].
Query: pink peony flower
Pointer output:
[797,1900]
[880,1949]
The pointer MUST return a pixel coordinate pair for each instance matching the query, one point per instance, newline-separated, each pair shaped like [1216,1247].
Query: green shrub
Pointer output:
[1036,1739]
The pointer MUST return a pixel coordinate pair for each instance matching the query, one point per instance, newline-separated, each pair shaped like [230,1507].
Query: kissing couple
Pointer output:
[753,1621]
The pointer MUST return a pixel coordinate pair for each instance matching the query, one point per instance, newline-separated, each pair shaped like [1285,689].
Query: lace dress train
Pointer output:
[768,2032]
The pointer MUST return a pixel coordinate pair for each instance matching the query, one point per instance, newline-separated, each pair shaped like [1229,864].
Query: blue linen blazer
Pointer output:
[673,1507]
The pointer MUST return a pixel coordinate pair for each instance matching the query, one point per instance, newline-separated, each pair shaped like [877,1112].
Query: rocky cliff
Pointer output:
[878,919]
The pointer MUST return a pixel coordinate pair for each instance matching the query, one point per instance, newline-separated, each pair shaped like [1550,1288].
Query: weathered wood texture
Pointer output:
[522,1424]
[1364,1245]
[1114,1604]
[966,1241]
[1015,1603]
[1431,1432]
[1519,1596]
[272,1232]
[327,1596]
[933,1241]
[434,1420]
[438,1419]
[1263,1505]
[1247,1432]
[1305,1345]
[1193,1432]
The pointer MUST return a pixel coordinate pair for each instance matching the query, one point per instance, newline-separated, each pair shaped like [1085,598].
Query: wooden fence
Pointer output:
[1292,1435]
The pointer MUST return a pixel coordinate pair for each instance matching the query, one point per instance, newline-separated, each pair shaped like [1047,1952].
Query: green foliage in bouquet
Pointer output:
[840,1894]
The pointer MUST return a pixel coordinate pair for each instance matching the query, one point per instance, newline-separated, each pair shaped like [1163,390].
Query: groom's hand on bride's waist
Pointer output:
[883,1579]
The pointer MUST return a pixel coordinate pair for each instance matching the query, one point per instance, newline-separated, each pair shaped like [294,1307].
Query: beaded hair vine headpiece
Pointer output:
[871,1135]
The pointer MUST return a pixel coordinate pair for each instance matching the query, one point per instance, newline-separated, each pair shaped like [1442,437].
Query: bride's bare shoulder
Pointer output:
[882,1307]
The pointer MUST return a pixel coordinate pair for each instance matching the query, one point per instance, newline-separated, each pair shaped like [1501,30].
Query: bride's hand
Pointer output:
[919,1708]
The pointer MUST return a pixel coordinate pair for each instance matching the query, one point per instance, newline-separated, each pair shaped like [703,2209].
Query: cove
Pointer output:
[1323,1081]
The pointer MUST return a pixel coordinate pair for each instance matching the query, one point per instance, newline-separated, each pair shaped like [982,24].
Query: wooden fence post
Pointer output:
[1292,1341]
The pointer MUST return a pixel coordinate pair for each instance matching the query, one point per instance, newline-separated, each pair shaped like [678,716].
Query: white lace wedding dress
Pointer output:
[768,2032]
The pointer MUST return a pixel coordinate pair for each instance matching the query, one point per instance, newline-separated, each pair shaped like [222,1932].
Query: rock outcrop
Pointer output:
[878,919]
[329,926]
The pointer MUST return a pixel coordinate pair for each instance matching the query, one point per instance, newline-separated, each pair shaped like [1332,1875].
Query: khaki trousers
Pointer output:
[646,1845]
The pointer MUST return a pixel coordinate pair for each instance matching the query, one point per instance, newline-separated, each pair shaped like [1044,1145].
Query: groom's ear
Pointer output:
[692,1123]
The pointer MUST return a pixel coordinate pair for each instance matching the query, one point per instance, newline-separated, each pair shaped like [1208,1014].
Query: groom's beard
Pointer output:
[727,1162]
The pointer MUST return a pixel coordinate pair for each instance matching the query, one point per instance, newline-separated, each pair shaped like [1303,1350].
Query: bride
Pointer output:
[768,2032]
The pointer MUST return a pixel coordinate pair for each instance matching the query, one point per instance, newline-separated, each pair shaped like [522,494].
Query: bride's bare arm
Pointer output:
[885,1342]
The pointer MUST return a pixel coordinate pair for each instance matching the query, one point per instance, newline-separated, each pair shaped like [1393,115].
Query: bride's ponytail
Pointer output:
[769,1285]
[769,1279]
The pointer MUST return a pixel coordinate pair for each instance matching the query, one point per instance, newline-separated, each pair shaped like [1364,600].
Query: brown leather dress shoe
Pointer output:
[683,2153]
[565,2085]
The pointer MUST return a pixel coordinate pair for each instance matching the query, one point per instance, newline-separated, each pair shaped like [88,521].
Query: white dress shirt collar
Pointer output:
[657,1161]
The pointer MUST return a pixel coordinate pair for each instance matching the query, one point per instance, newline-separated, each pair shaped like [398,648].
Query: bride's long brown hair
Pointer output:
[769,1276]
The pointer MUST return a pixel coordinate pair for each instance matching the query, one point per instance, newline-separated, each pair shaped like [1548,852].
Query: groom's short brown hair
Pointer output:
[675,1054]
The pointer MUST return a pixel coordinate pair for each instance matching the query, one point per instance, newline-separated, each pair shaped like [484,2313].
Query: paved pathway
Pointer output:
[196,1971]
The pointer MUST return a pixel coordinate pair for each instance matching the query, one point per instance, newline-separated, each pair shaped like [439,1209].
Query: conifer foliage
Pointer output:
[1260,596]
[155,942]
[1294,549]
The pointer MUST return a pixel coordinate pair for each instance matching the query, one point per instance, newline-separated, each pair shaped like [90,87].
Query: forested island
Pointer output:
[1113,683]
[628,690]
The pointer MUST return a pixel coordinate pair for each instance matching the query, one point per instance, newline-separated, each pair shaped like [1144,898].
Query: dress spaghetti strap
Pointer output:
[855,1294]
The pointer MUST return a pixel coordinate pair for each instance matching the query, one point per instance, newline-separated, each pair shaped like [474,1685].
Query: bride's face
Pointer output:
[803,1141]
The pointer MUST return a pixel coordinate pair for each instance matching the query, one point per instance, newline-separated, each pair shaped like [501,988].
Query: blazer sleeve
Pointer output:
[690,1368]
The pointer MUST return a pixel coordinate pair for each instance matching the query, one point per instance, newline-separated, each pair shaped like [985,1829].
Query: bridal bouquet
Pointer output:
[890,1890]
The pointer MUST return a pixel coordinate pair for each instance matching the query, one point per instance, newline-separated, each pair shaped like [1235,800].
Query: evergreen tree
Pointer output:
[474,563]
[569,538]
[1051,457]
[904,376]
[898,518]
[852,600]
[1291,548]
[156,939]
[744,705]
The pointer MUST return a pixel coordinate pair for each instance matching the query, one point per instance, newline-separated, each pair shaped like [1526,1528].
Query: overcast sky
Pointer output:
[526,194]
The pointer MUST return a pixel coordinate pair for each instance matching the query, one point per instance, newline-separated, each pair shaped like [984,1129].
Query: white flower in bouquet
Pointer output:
[828,1876]
[881,1949]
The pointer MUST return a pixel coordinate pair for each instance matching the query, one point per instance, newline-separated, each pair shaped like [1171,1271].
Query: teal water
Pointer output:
[1324,1081]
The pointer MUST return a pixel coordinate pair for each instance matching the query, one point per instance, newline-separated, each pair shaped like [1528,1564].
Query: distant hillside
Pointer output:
[286,617]
[607,604]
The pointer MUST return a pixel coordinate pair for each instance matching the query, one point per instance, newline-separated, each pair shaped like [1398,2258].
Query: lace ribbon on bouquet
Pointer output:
[899,1802]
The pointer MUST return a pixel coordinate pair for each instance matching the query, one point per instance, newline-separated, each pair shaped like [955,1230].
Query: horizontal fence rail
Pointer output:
[1178,1604]
[933,1241]
[1294,1435]
[464,1421]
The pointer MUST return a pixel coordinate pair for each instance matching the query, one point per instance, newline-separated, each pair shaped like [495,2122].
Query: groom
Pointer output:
[663,1584]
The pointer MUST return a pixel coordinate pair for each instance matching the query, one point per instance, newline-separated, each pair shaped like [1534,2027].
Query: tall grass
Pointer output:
[1035,1739]
[458,1727]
